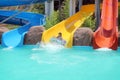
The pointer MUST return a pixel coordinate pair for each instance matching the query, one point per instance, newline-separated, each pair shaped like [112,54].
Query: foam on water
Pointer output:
[58,59]
[8,48]
[104,49]
[50,47]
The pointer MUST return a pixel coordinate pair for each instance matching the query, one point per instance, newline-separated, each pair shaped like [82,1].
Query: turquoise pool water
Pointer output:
[52,63]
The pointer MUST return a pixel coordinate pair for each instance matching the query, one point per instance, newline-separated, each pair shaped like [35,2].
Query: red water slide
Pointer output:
[106,36]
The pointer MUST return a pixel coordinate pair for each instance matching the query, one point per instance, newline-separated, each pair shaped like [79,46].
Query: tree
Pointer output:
[64,10]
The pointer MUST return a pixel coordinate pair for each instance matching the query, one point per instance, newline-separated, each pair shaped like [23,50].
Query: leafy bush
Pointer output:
[64,10]
[37,8]
[11,26]
[59,15]
[52,19]
[90,22]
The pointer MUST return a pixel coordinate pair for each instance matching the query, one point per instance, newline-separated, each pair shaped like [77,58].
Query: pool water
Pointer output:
[52,63]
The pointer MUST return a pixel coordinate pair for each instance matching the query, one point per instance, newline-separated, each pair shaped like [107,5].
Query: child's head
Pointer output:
[60,34]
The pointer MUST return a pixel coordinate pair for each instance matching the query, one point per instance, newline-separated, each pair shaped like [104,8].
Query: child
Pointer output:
[58,39]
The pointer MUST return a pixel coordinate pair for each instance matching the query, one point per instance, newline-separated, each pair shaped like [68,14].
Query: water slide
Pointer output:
[69,26]
[4,3]
[15,38]
[106,36]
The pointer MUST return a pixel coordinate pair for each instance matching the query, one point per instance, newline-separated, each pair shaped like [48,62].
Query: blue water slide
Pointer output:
[15,37]
[4,3]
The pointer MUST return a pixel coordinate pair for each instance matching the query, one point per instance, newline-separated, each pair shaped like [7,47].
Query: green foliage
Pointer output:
[64,10]
[52,19]
[11,26]
[58,16]
[37,8]
[89,22]
[119,18]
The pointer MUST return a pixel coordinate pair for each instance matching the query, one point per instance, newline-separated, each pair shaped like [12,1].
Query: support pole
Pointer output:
[80,3]
[97,13]
[49,7]
[72,7]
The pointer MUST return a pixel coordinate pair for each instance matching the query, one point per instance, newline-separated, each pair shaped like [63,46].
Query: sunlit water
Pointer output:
[58,63]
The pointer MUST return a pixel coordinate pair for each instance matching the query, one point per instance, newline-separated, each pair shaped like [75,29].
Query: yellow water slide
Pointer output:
[68,27]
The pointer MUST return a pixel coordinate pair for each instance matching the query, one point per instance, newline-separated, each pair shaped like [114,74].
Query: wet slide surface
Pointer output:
[69,26]
[107,34]
[15,38]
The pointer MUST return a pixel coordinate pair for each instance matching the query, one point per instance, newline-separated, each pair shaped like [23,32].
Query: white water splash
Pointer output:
[49,47]
[104,49]
[45,58]
[57,59]
[8,48]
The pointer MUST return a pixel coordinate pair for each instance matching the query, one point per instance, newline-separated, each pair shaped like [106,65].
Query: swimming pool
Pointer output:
[77,63]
